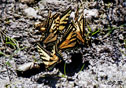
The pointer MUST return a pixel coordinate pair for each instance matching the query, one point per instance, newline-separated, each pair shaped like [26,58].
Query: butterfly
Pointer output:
[54,23]
[79,24]
[49,58]
[69,38]
[64,18]
[55,20]
[58,23]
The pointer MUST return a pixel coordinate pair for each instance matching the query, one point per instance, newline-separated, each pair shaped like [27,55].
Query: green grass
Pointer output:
[64,68]
[12,42]
[91,33]
[3,54]
[82,68]
[111,29]
[125,44]
[8,64]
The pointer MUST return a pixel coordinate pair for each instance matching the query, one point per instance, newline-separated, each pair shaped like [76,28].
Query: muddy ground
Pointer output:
[101,64]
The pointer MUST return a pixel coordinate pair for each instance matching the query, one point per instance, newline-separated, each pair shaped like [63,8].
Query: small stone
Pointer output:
[91,13]
[17,36]
[121,37]
[31,12]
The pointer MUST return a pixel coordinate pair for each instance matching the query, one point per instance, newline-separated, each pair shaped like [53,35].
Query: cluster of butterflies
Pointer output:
[60,33]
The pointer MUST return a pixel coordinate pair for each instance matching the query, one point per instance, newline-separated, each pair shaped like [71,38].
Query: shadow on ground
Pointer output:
[49,80]
[75,66]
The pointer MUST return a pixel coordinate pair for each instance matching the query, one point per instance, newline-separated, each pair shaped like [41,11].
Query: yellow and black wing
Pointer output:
[49,58]
[82,24]
[52,30]
[54,23]
[76,14]
[80,28]
[69,38]
[64,18]
[51,37]
[59,22]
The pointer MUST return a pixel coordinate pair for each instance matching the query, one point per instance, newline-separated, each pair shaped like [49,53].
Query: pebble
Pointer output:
[91,13]
[30,12]
[121,37]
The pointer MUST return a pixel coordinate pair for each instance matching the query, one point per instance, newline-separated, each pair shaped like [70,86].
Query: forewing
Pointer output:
[79,25]
[55,23]
[64,19]
[52,34]
[69,39]
[51,38]
[82,24]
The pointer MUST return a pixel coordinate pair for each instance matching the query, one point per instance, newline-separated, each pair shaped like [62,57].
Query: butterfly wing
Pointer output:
[64,18]
[59,23]
[76,14]
[55,23]
[43,53]
[82,24]
[69,38]
[79,25]
[48,58]
[51,38]
[52,34]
